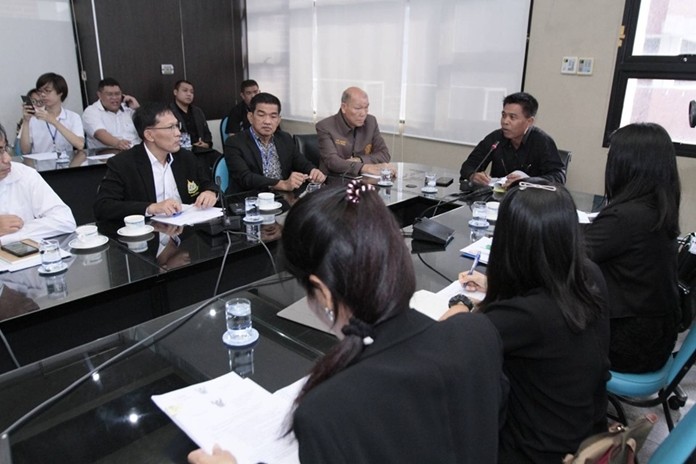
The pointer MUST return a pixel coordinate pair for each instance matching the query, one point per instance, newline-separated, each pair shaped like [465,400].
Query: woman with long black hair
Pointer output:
[633,240]
[547,301]
[398,387]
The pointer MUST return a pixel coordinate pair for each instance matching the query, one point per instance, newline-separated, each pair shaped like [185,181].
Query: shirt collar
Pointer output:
[153,160]
[101,107]
[258,140]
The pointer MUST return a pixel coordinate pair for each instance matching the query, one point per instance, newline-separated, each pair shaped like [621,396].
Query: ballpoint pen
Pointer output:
[477,258]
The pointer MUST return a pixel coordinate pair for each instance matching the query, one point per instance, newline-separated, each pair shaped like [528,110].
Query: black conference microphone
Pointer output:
[493,147]
[228,223]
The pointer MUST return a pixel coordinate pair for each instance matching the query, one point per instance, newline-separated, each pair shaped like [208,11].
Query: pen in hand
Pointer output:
[477,258]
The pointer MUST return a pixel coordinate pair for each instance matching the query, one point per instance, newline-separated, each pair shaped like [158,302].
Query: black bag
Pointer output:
[686,279]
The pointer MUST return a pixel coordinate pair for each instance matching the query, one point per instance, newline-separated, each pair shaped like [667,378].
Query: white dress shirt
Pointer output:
[42,134]
[26,194]
[165,184]
[119,124]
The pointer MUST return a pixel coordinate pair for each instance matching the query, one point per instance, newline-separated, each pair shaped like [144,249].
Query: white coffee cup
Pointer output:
[87,234]
[134,221]
[266,200]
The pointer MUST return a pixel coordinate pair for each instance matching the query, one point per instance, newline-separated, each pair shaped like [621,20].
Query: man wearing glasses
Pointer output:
[156,176]
[29,207]
[108,122]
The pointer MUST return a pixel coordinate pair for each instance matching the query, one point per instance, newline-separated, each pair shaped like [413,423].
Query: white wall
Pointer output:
[36,37]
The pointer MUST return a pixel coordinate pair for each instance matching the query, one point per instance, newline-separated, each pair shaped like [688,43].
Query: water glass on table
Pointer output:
[479,212]
[238,319]
[51,261]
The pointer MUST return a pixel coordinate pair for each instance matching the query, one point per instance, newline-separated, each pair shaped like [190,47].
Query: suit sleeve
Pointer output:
[238,156]
[380,152]
[604,238]
[329,154]
[111,203]
[474,159]
[551,167]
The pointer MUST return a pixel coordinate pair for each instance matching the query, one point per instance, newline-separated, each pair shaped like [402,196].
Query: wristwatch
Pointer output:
[461,299]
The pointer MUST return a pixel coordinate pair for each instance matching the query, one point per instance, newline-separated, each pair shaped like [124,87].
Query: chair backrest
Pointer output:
[223,129]
[220,170]
[679,444]
[308,144]
[565,158]
[685,358]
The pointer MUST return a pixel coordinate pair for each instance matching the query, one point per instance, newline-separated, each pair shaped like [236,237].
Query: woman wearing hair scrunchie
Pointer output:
[547,301]
[633,240]
[398,387]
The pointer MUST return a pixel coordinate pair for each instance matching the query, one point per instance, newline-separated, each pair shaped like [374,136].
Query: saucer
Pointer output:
[385,184]
[275,205]
[228,340]
[78,245]
[476,225]
[126,232]
[63,268]
[257,220]
[429,189]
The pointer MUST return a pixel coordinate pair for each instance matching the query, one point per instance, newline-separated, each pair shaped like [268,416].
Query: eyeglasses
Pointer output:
[526,185]
[178,126]
[5,149]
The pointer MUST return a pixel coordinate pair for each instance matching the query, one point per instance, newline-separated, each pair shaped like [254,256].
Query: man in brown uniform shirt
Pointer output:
[349,141]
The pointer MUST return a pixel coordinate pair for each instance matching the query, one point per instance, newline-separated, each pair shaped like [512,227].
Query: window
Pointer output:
[655,77]
[432,69]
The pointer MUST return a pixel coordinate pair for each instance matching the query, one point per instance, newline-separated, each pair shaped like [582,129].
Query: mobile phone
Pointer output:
[27,101]
[444,181]
[19,249]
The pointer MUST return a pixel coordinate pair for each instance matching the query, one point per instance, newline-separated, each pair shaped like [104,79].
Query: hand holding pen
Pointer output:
[472,280]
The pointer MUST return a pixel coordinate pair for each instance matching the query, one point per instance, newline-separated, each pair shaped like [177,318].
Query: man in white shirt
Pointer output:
[108,122]
[29,208]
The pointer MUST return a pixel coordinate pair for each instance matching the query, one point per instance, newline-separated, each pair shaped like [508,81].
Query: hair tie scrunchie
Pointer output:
[354,190]
[361,329]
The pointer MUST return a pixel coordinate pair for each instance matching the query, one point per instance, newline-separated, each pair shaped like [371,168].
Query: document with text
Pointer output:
[237,414]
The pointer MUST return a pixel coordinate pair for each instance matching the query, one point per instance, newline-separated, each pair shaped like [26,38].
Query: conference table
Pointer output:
[126,282]
[109,416]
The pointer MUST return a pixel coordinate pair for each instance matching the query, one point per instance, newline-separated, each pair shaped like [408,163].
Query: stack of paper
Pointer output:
[482,245]
[236,414]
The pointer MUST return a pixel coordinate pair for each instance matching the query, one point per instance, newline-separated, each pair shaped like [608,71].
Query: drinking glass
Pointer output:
[479,210]
[238,318]
[50,256]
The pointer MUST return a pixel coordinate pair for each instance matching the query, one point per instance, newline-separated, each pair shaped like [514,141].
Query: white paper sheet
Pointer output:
[190,215]
[455,288]
[42,156]
[235,413]
[586,218]
[482,245]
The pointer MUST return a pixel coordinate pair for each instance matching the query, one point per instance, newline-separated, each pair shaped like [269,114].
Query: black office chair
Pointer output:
[308,144]
[565,157]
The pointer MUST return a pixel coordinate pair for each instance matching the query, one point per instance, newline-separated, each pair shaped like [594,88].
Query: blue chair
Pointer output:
[679,444]
[223,129]
[221,172]
[653,388]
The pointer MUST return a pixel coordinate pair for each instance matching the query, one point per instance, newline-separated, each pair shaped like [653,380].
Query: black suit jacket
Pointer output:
[128,187]
[243,159]
[424,391]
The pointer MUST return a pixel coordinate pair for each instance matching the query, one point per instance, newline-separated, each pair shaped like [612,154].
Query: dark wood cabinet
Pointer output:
[130,40]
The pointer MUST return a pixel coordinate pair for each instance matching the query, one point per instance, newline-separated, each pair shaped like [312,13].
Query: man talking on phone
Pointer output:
[108,122]
[29,208]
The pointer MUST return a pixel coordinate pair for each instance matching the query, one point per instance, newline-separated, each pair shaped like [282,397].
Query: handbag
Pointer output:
[619,445]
